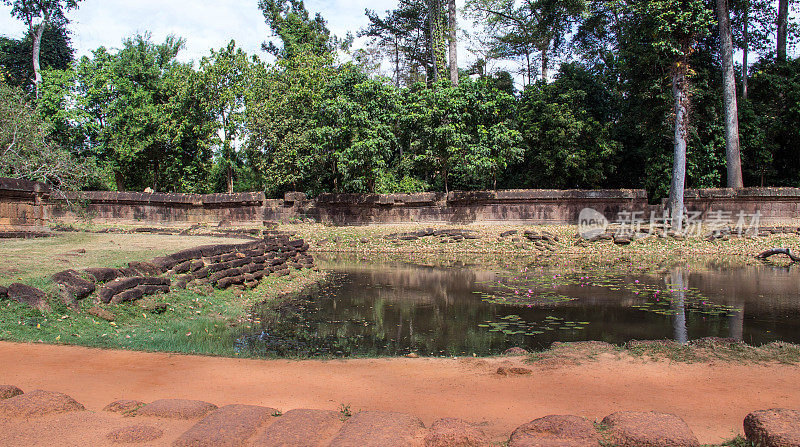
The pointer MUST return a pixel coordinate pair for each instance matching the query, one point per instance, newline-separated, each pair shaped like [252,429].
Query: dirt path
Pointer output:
[712,398]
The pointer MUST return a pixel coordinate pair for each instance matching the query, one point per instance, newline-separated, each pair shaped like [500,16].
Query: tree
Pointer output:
[540,25]
[783,29]
[753,25]
[56,53]
[142,115]
[415,34]
[291,22]
[452,25]
[282,107]
[355,130]
[462,134]
[436,33]
[224,76]
[389,34]
[38,15]
[26,150]
[567,128]
[676,26]
[734,163]
[771,124]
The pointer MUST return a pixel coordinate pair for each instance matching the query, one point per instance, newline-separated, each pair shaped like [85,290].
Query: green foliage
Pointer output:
[15,55]
[355,129]
[291,22]
[568,133]
[283,102]
[50,11]
[141,114]
[466,132]
[26,149]
[225,78]
[313,123]
[771,125]
[673,26]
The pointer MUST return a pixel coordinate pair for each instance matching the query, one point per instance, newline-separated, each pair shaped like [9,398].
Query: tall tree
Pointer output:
[675,26]
[733,158]
[753,29]
[389,34]
[436,36]
[405,31]
[38,15]
[542,25]
[422,34]
[292,23]
[783,29]
[224,76]
[15,60]
[452,24]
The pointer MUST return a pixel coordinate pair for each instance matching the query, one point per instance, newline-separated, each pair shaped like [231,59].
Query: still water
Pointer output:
[393,309]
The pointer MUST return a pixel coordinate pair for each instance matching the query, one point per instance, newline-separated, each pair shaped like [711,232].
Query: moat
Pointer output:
[395,308]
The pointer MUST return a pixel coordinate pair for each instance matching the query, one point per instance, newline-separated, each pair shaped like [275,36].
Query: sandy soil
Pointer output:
[712,398]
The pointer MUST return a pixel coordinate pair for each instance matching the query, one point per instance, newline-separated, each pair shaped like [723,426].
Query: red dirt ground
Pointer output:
[713,398]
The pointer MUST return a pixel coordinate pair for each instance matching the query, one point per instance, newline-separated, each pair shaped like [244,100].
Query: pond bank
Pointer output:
[515,244]
[712,397]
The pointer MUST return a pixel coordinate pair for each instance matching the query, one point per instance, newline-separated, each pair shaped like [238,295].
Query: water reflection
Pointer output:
[679,306]
[374,309]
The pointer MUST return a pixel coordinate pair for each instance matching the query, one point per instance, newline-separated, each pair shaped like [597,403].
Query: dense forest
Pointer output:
[609,94]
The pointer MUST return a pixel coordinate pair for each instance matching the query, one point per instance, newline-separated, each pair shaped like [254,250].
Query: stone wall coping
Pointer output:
[246,198]
[792,194]
[420,198]
[514,195]
[18,186]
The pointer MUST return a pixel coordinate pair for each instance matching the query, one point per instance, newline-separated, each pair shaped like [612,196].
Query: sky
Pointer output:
[205,24]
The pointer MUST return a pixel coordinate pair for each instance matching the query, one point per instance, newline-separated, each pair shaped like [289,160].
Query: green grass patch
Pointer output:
[199,320]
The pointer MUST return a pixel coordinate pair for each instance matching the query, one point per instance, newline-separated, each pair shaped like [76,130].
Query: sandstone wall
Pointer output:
[28,205]
[512,206]
[22,205]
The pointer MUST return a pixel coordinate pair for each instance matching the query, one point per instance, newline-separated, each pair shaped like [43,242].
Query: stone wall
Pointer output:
[29,205]
[512,206]
[23,205]
[775,205]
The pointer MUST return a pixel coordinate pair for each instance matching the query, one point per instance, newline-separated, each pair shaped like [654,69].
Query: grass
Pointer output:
[650,253]
[198,321]
[204,321]
[32,261]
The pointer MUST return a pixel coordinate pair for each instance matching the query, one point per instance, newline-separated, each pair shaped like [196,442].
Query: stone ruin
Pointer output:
[221,266]
[210,425]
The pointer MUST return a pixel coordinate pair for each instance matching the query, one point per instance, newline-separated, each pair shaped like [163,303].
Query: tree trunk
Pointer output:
[452,25]
[37,46]
[528,60]
[397,63]
[119,181]
[446,185]
[732,156]
[432,37]
[783,29]
[745,49]
[230,179]
[678,284]
[679,156]
[545,62]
